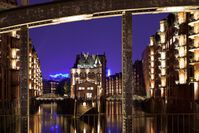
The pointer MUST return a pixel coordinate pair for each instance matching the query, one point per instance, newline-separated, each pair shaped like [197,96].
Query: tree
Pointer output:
[63,87]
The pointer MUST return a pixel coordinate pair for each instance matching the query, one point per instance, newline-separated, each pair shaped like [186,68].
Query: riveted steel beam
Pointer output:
[127,72]
[24,79]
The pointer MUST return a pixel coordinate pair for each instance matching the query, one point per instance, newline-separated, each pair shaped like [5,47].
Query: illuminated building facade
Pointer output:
[50,86]
[114,85]
[9,72]
[138,79]
[88,76]
[194,51]
[173,59]
[145,67]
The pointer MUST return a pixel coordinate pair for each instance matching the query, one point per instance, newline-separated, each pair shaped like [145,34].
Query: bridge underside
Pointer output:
[76,10]
[49,13]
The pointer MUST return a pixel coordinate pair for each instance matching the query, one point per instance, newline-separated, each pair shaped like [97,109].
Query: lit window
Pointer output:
[196,55]
[89,88]
[89,95]
[152,52]
[182,51]
[182,63]
[163,64]
[196,28]
[151,41]
[196,73]
[182,76]
[163,72]
[162,37]
[152,70]
[81,88]
[163,55]
[162,92]
[163,81]
[182,40]
[152,58]
[162,26]
[196,15]
[181,17]
[196,91]
[152,76]
[152,64]
[196,42]
[152,84]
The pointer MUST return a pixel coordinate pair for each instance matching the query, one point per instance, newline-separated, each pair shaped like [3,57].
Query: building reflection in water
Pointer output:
[47,120]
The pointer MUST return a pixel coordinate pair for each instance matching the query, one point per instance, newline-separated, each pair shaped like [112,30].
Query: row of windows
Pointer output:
[83,88]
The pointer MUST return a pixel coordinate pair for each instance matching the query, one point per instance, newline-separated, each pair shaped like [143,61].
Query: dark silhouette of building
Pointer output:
[138,79]
[63,88]
[50,86]
[4,4]
[114,85]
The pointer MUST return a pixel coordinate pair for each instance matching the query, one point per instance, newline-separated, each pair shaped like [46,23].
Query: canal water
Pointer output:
[48,120]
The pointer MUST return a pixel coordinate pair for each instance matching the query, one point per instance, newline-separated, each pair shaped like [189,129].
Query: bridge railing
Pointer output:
[147,123]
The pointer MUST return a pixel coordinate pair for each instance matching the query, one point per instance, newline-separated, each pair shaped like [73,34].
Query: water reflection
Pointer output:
[48,120]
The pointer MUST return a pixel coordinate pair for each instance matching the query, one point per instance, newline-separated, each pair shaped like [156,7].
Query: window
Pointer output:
[81,88]
[89,95]
[89,88]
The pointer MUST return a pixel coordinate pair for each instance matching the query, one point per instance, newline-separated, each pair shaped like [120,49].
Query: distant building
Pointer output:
[50,86]
[138,79]
[88,76]
[114,85]
[10,72]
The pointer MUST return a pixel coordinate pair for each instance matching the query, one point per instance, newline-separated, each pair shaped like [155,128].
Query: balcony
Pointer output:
[193,80]
[194,62]
[192,34]
[193,21]
[193,48]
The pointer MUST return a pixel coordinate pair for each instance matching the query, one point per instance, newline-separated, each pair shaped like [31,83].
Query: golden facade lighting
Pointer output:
[182,76]
[162,37]
[182,40]
[163,81]
[181,17]
[72,19]
[163,55]
[196,91]
[151,41]
[162,26]
[196,73]
[163,72]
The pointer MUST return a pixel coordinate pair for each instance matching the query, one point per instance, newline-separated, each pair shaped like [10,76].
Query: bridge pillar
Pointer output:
[24,2]
[24,79]
[127,72]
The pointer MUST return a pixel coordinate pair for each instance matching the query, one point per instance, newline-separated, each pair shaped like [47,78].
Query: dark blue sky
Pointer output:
[58,45]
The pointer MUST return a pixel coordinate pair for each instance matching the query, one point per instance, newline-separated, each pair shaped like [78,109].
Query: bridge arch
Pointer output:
[77,10]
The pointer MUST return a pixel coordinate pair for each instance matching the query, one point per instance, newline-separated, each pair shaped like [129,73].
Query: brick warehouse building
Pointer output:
[88,76]
[173,62]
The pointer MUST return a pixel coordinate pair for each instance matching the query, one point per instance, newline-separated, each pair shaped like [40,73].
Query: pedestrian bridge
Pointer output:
[119,97]
[77,10]
[50,97]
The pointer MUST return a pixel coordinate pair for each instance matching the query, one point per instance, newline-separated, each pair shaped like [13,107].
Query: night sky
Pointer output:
[58,45]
